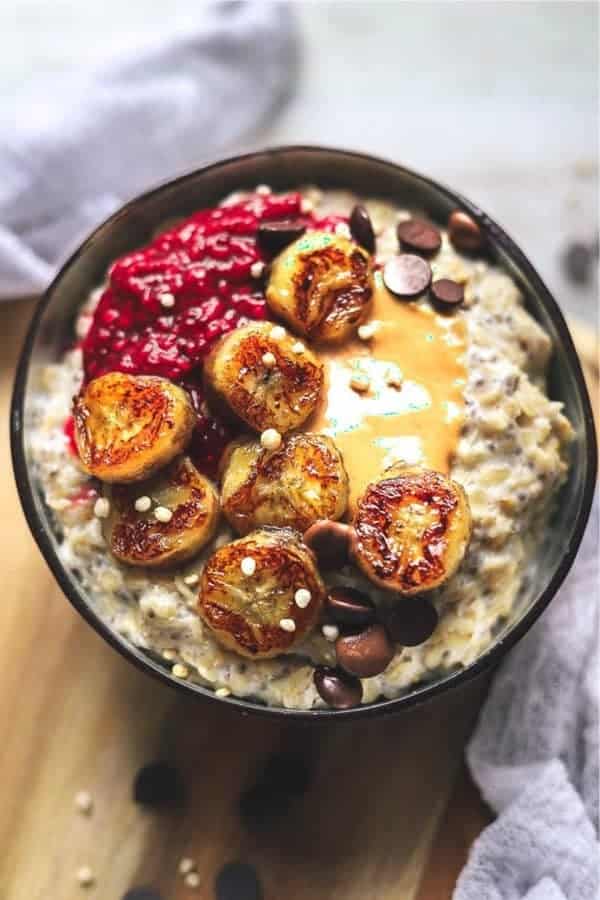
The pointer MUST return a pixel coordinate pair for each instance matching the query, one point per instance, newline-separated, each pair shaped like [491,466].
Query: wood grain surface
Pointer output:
[374,824]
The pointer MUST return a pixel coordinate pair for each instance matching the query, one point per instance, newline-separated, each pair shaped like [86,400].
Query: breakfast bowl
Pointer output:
[501,448]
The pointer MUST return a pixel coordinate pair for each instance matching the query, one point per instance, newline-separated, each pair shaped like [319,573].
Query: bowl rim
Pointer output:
[493,654]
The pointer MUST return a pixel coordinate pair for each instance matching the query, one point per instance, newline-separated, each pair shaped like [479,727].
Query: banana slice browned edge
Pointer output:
[411,530]
[245,611]
[140,539]
[129,426]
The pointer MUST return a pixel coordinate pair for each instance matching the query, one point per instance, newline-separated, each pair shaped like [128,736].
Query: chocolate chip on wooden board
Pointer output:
[411,621]
[284,777]
[365,654]
[577,261]
[337,688]
[361,228]
[407,276]
[446,293]
[330,542]
[238,881]
[464,232]
[159,785]
[142,893]
[419,236]
[273,236]
[349,606]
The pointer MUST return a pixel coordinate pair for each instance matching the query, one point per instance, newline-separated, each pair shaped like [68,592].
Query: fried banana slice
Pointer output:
[304,480]
[261,594]
[411,530]
[322,286]
[127,427]
[264,377]
[163,521]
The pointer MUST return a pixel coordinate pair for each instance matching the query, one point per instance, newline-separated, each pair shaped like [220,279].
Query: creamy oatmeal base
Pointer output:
[511,458]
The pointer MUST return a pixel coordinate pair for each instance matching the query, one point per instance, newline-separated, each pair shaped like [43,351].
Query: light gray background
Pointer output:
[499,99]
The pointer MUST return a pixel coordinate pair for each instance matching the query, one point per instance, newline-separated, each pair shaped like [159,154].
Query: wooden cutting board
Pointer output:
[390,812]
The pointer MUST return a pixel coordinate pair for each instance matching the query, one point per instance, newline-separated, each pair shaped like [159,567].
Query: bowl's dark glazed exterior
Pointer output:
[281,168]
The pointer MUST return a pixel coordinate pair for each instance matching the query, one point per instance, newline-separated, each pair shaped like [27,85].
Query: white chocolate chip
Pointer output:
[186,865]
[102,508]
[360,382]
[167,300]
[222,692]
[298,347]
[287,624]
[143,504]
[302,598]
[263,190]
[270,439]
[248,566]
[191,579]
[162,514]
[84,803]
[180,671]
[277,332]
[342,230]
[85,876]
[330,632]
[268,360]
[306,205]
[366,332]
[192,880]
[257,268]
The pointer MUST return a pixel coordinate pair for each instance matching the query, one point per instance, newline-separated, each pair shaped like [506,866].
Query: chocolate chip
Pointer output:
[447,293]
[464,232]
[288,771]
[577,262]
[238,881]
[159,785]
[330,543]
[347,606]
[338,689]
[411,621]
[272,237]
[284,777]
[365,654]
[260,808]
[361,228]
[407,275]
[142,893]
[415,234]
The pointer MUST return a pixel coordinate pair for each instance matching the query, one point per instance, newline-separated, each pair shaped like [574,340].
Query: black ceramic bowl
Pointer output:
[284,168]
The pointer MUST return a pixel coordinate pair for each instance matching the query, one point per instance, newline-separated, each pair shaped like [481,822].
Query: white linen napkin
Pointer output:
[535,753]
[72,158]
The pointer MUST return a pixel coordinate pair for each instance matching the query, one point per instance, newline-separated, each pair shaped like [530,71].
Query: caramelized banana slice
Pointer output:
[261,594]
[127,427]
[264,376]
[162,521]
[411,530]
[322,286]
[302,481]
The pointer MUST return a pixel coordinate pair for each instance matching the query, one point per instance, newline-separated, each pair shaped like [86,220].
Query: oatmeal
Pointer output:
[435,369]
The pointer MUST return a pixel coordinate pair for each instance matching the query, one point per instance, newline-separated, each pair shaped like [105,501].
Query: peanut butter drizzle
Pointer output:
[418,422]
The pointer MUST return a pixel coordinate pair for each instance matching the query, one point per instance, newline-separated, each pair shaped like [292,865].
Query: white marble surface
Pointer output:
[498,99]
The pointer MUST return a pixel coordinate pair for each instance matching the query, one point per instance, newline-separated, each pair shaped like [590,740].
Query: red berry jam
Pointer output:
[167,303]
[69,432]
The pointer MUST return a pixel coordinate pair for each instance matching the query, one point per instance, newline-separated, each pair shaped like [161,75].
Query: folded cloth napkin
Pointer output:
[535,755]
[77,156]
